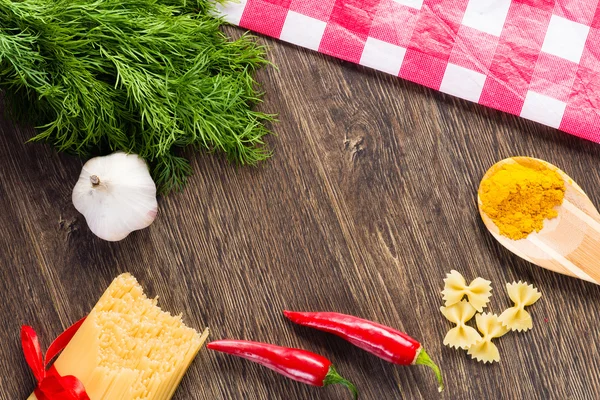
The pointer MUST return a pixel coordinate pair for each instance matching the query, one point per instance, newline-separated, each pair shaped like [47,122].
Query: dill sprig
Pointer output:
[143,76]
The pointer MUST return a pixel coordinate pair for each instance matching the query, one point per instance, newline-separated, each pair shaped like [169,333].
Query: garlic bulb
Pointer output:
[116,195]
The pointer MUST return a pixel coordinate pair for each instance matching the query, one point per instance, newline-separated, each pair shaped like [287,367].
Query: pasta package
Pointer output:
[461,336]
[516,318]
[490,327]
[478,292]
[128,348]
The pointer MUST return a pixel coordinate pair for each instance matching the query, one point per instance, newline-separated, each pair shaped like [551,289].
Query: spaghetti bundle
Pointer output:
[128,348]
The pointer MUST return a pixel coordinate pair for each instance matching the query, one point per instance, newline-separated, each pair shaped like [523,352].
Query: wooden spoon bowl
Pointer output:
[568,244]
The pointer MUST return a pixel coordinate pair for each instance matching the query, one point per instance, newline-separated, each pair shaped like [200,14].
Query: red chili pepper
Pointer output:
[382,341]
[297,364]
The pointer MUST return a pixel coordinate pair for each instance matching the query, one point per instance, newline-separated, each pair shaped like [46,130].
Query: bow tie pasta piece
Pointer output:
[461,336]
[490,327]
[516,318]
[455,288]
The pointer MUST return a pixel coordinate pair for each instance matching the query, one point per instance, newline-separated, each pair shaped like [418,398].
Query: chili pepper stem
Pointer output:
[423,359]
[333,377]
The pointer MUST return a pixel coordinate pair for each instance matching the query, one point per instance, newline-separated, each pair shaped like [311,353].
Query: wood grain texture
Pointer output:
[369,200]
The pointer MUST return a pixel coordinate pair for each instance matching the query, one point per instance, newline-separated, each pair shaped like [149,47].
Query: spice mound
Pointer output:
[518,198]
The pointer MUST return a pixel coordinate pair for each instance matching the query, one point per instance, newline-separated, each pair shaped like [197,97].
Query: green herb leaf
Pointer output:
[143,76]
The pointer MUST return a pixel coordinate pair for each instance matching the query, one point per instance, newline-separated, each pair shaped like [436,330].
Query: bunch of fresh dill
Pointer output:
[142,76]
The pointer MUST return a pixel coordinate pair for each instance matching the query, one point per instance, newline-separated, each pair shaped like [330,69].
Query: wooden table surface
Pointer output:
[369,200]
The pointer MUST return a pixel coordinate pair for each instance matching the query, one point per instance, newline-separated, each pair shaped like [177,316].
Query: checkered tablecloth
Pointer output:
[539,59]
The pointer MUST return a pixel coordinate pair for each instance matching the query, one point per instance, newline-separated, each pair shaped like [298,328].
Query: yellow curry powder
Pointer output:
[518,198]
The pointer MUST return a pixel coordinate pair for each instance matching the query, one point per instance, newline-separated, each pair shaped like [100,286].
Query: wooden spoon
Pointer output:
[568,244]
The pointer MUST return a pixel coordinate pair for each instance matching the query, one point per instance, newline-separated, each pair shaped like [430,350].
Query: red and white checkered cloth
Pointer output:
[539,59]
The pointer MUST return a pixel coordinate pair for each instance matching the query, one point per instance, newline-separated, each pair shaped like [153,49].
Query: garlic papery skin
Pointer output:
[116,195]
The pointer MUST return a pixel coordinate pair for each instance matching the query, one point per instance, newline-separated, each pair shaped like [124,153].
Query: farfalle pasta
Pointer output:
[490,327]
[461,336]
[516,318]
[478,292]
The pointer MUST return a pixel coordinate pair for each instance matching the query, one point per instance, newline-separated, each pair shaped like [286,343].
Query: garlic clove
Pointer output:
[116,195]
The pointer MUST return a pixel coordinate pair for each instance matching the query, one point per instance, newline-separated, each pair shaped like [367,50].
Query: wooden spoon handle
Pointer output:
[581,260]
[587,256]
